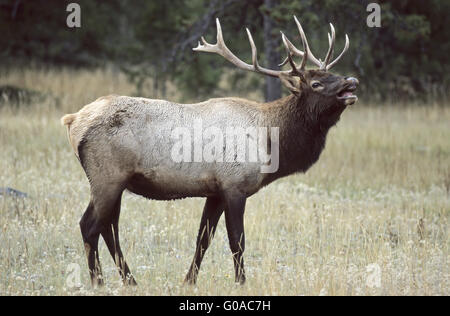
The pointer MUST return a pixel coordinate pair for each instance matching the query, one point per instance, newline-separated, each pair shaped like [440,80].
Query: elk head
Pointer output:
[321,94]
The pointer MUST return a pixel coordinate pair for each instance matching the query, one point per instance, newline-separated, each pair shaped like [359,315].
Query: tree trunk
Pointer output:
[272,89]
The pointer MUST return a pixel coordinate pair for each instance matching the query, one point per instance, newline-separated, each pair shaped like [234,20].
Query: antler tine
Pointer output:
[289,53]
[347,43]
[220,40]
[306,54]
[306,46]
[212,48]
[331,41]
[294,50]
[284,62]
[254,50]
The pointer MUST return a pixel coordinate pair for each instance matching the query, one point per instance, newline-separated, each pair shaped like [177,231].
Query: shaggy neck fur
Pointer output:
[303,131]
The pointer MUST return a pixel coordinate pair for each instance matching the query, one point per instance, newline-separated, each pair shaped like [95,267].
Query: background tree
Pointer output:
[271,39]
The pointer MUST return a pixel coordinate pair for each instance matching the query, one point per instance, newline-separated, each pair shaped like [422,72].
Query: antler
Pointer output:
[325,65]
[221,49]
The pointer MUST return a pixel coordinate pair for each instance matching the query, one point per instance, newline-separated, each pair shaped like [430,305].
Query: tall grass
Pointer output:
[379,194]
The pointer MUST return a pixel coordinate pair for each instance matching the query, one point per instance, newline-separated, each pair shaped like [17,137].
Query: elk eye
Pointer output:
[316,85]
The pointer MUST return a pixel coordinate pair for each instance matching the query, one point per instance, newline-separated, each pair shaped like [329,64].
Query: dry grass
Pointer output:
[378,195]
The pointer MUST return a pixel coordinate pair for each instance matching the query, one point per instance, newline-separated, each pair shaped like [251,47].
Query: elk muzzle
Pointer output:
[346,95]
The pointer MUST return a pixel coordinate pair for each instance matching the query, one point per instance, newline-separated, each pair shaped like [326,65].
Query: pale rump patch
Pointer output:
[78,123]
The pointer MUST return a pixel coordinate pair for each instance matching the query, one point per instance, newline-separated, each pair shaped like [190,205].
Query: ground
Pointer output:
[369,218]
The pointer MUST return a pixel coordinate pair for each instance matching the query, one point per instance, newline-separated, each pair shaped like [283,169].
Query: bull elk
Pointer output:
[125,143]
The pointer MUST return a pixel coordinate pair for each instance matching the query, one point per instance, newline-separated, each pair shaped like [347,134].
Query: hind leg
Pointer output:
[102,212]
[111,236]
[90,231]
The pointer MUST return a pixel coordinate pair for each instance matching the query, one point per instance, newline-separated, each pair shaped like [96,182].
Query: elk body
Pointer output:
[125,143]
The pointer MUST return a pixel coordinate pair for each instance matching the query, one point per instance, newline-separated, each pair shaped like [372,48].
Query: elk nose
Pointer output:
[353,80]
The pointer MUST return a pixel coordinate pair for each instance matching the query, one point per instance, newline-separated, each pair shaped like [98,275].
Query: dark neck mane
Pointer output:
[301,137]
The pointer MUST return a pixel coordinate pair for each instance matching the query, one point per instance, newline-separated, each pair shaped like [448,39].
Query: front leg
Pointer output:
[211,214]
[234,218]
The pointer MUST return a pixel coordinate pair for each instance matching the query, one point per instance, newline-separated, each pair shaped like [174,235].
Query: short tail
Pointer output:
[68,119]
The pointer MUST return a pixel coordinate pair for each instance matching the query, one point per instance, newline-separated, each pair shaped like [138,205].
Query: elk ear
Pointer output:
[291,82]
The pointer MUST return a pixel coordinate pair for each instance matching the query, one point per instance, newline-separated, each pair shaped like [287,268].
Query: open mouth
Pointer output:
[347,95]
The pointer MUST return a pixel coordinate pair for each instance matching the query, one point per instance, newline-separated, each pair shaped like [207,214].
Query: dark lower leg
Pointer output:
[238,259]
[90,233]
[95,270]
[211,214]
[234,218]
[111,237]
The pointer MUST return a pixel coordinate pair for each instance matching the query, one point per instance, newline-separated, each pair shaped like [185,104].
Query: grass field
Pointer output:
[370,218]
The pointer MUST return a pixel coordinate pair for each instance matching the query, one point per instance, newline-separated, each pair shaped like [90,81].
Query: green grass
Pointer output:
[384,168]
